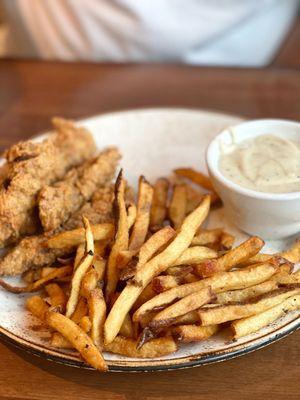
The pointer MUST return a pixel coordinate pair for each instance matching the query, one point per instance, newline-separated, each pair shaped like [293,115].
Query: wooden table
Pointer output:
[32,92]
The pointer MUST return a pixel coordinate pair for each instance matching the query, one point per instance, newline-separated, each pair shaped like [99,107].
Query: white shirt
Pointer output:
[211,32]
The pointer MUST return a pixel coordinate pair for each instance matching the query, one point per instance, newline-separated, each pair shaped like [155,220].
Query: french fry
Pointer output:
[189,278]
[189,318]
[140,227]
[289,279]
[121,238]
[37,285]
[81,270]
[79,254]
[158,211]
[155,243]
[37,306]
[127,327]
[59,342]
[147,294]
[89,282]
[194,333]
[46,271]
[85,324]
[155,348]
[177,207]
[97,312]
[57,296]
[257,259]
[247,293]
[31,275]
[283,271]
[223,313]
[207,237]
[226,241]
[188,303]
[196,177]
[76,237]
[79,339]
[233,257]
[221,282]
[81,310]
[293,253]
[181,271]
[194,255]
[165,282]
[193,198]
[131,214]
[153,268]
[245,326]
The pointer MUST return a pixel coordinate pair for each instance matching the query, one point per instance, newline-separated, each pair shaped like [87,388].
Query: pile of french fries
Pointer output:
[155,278]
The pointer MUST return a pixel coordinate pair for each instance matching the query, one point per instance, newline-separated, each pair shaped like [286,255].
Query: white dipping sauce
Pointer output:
[266,163]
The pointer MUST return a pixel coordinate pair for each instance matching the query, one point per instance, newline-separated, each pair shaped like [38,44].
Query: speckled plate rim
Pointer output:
[148,365]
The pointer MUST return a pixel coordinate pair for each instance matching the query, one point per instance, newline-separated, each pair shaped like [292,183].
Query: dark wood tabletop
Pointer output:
[32,92]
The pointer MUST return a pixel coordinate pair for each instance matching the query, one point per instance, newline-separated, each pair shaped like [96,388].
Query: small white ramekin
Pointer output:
[269,215]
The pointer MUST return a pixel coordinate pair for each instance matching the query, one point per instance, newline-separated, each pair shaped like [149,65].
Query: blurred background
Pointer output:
[199,32]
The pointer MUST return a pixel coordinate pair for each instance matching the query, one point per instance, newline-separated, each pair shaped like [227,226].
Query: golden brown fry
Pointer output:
[194,333]
[257,259]
[37,285]
[177,207]
[289,279]
[127,328]
[121,238]
[181,271]
[155,243]
[155,348]
[37,306]
[147,294]
[59,342]
[226,241]
[191,317]
[224,313]
[158,211]
[247,293]
[219,283]
[81,310]
[165,282]
[57,296]
[46,271]
[196,177]
[293,253]
[89,282]
[97,311]
[131,214]
[189,278]
[140,227]
[85,324]
[79,254]
[188,303]
[75,237]
[193,198]
[194,255]
[152,268]
[233,257]
[79,339]
[32,275]
[283,271]
[81,270]
[245,326]
[208,237]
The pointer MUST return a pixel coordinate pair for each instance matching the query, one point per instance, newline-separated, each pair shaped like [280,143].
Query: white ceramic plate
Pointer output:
[152,142]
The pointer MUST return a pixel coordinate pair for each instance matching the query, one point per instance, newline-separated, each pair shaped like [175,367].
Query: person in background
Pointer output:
[199,32]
